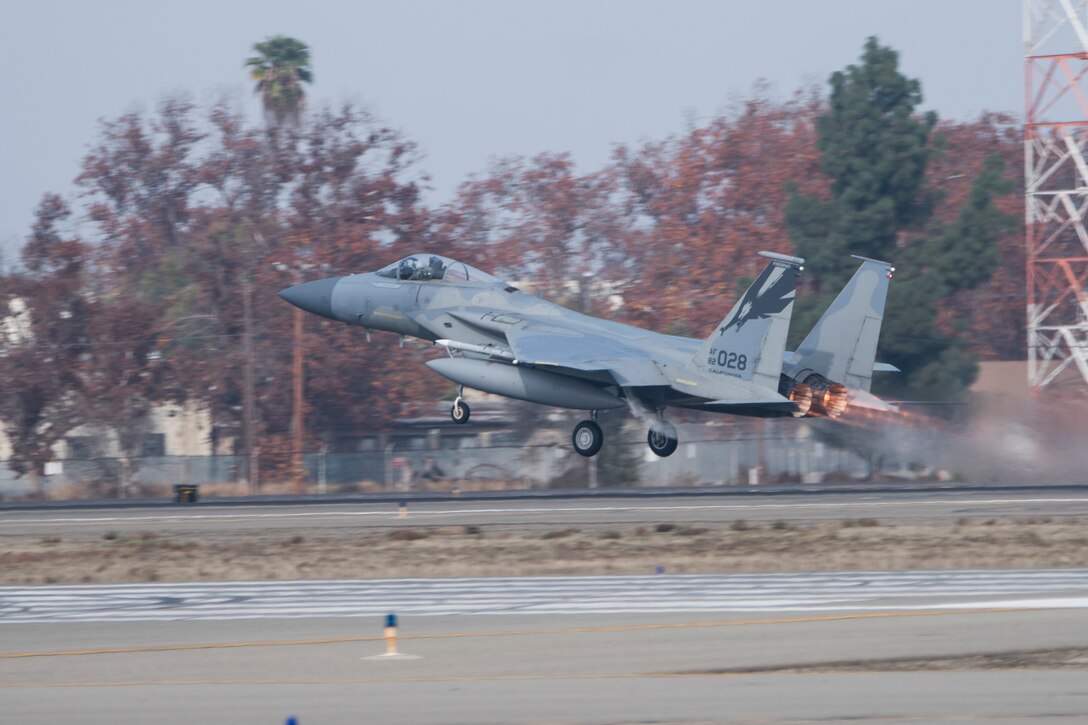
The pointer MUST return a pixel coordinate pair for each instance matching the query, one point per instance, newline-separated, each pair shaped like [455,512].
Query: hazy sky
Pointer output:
[470,80]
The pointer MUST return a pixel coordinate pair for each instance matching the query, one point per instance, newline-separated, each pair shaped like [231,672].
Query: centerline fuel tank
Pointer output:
[524,383]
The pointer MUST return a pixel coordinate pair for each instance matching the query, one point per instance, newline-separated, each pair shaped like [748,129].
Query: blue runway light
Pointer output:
[390,620]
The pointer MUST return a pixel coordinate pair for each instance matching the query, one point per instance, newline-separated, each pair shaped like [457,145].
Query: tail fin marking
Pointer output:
[750,342]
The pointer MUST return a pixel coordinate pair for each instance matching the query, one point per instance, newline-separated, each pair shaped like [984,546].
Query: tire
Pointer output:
[460,412]
[663,441]
[587,438]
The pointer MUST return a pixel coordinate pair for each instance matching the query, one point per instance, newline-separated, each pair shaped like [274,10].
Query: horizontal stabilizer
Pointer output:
[885,368]
[865,399]
[771,405]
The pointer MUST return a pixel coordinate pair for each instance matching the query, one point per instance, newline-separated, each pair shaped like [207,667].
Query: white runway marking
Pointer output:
[824,592]
[423,513]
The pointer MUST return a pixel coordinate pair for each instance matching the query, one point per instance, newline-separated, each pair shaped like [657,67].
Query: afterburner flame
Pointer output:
[828,398]
[801,395]
[833,401]
[864,417]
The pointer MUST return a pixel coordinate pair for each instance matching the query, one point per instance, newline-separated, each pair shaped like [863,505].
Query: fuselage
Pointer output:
[536,350]
[437,309]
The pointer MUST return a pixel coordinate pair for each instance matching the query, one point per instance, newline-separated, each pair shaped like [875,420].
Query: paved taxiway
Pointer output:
[561,660]
[888,505]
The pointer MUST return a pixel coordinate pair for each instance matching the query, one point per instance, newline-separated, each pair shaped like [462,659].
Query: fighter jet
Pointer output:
[503,341]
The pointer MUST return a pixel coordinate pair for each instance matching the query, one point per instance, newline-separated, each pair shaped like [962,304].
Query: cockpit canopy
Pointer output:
[426,267]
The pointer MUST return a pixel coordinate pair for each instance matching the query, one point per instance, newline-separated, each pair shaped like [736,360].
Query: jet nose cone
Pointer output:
[315,296]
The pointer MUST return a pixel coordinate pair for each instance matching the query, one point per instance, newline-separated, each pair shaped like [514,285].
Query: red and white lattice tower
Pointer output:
[1056,189]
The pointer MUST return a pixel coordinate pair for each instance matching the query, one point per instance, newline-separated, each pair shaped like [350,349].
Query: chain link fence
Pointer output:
[705,457]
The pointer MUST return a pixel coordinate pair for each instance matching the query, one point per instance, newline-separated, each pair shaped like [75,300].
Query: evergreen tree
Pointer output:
[875,149]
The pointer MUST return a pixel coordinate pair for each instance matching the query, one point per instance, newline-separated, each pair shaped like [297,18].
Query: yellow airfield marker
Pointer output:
[391,635]
[391,642]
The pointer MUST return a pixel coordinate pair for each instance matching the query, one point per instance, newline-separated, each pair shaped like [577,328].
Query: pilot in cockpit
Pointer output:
[437,268]
[408,268]
[411,268]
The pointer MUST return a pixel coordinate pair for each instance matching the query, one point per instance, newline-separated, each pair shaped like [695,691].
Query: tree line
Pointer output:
[157,282]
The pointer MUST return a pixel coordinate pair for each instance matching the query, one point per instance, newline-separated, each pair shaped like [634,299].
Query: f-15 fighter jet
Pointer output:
[503,341]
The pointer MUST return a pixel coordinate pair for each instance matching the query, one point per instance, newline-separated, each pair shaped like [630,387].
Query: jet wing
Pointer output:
[555,347]
[541,342]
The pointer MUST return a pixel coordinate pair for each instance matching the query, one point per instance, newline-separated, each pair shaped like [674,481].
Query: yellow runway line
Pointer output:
[381,680]
[603,629]
[785,672]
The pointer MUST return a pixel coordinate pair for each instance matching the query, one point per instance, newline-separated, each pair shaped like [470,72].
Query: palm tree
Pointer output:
[281,66]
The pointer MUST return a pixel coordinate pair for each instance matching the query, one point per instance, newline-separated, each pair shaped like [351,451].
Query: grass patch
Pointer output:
[407,535]
[860,523]
[559,534]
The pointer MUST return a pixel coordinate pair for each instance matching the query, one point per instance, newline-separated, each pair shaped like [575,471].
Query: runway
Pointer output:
[868,647]
[1000,646]
[890,506]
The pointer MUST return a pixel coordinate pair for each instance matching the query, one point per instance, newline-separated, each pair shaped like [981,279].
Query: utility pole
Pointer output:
[297,418]
[248,416]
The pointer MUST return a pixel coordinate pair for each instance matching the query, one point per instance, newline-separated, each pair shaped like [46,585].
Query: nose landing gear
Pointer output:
[460,412]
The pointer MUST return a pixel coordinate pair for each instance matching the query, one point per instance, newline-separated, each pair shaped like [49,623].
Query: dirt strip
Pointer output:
[461,551]
[1069,658]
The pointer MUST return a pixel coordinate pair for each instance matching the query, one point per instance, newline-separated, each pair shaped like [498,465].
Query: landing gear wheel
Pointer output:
[587,438]
[460,412]
[662,439]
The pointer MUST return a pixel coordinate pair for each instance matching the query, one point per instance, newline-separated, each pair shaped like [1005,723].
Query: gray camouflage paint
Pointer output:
[736,369]
[842,345]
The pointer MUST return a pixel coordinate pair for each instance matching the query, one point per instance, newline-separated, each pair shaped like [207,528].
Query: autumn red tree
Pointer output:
[190,213]
[188,207]
[44,340]
[539,222]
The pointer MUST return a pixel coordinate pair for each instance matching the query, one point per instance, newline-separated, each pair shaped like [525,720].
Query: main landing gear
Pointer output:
[662,439]
[460,411]
[588,438]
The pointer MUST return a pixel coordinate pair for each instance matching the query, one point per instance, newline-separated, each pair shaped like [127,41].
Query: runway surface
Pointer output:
[887,505]
[912,647]
[819,592]
[1006,646]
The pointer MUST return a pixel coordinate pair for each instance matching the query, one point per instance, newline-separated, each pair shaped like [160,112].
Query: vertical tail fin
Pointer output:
[750,342]
[842,344]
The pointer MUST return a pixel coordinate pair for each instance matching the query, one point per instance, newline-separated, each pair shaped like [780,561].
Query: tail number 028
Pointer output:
[728,360]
